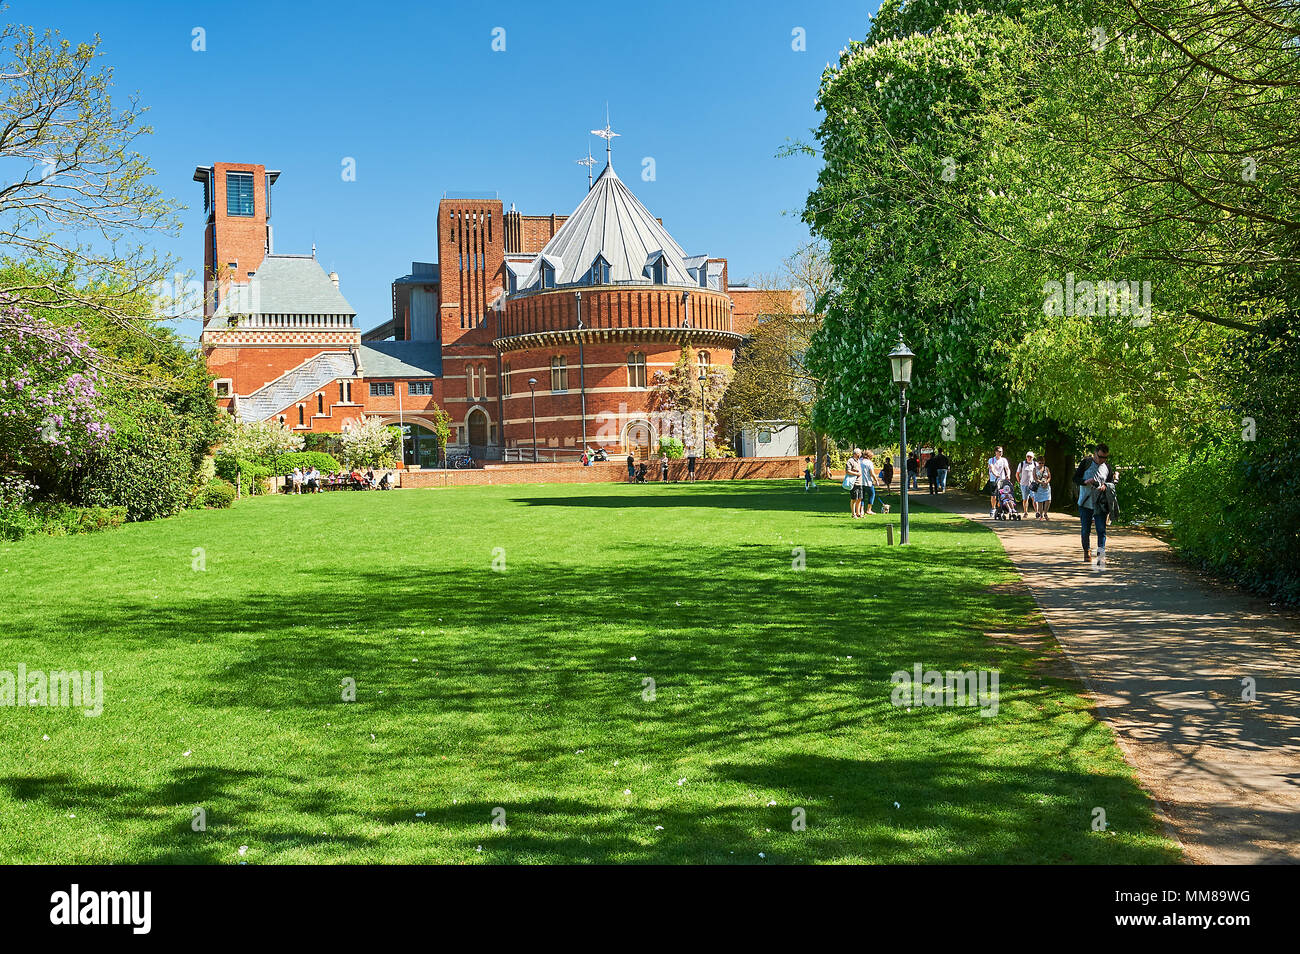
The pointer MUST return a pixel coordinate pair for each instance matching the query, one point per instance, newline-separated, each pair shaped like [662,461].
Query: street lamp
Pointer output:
[703,443]
[900,363]
[532,391]
[582,372]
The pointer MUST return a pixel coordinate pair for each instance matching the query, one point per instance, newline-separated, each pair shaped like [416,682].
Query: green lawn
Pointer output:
[523,690]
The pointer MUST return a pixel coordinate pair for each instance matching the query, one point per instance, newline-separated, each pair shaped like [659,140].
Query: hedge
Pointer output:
[253,477]
[285,463]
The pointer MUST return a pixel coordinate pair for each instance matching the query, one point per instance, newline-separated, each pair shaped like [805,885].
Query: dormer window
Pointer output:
[548,275]
[659,271]
[599,274]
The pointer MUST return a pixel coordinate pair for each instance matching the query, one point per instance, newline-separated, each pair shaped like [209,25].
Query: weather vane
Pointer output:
[588,162]
[606,134]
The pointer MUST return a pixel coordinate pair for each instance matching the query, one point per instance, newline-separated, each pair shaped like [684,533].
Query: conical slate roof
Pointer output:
[612,222]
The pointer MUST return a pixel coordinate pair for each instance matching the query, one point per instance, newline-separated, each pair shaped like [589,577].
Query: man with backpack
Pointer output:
[1096,479]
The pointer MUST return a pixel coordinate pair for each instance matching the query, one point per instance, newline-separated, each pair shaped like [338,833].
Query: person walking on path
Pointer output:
[808,484]
[690,466]
[1025,476]
[663,468]
[1042,489]
[941,467]
[932,473]
[1096,480]
[999,469]
[631,468]
[853,474]
[887,472]
[913,472]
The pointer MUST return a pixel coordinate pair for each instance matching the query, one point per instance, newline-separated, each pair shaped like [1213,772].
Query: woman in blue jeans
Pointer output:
[1093,475]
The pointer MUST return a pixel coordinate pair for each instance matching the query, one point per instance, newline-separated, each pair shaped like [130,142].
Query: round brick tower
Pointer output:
[608,302]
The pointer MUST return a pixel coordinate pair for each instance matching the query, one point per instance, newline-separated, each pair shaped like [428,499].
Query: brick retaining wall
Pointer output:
[740,468]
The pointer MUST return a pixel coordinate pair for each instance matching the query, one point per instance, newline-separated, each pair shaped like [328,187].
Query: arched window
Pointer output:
[702,360]
[471,382]
[282,420]
[505,380]
[301,414]
[636,370]
[559,373]
[482,380]
[320,403]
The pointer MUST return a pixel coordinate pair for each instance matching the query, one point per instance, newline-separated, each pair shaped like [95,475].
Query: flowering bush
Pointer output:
[371,444]
[50,408]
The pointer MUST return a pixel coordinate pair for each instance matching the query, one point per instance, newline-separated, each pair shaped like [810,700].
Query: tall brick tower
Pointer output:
[237,206]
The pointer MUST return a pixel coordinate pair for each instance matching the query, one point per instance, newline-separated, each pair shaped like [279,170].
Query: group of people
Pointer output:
[638,473]
[309,480]
[1034,479]
[1095,477]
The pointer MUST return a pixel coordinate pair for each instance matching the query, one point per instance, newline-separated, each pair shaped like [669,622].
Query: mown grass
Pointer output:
[524,690]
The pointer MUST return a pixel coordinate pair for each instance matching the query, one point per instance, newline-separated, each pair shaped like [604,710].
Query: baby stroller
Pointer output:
[1006,502]
[640,473]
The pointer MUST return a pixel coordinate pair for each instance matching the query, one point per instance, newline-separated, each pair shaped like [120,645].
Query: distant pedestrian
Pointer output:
[690,466]
[631,469]
[853,481]
[869,478]
[808,475]
[1095,478]
[1025,477]
[1042,490]
[887,472]
[932,473]
[999,469]
[663,468]
[913,471]
[941,467]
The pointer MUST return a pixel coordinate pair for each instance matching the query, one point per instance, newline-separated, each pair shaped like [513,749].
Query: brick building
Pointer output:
[573,314]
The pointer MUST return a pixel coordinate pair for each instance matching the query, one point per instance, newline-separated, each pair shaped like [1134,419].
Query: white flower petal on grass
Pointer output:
[659,827]
[185,754]
[627,791]
[243,850]
[770,804]
[681,781]
[45,738]
[633,659]
[420,814]
[761,855]
[896,805]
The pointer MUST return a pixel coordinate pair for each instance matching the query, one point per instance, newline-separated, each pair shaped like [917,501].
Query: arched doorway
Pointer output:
[636,440]
[476,424]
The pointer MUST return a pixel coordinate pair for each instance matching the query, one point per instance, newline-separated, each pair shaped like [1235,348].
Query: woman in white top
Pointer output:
[853,470]
[868,468]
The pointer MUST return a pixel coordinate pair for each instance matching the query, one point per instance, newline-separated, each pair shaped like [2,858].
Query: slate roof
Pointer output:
[612,222]
[400,359]
[287,285]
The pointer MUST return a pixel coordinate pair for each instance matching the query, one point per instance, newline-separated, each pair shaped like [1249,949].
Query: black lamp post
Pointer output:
[900,364]
[582,372]
[703,412]
[532,391]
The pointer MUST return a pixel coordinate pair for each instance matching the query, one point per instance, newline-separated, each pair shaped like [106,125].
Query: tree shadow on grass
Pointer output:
[756,666]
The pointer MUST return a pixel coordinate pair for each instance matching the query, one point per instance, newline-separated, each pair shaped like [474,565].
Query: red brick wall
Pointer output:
[649,307]
[752,302]
[240,239]
[471,261]
[756,468]
[536,230]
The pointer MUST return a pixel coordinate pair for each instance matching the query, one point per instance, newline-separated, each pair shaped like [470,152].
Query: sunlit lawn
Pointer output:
[526,690]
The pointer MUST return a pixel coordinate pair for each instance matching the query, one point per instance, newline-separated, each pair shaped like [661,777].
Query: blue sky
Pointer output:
[415,94]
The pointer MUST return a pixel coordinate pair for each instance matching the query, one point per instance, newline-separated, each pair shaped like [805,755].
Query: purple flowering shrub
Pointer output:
[49,394]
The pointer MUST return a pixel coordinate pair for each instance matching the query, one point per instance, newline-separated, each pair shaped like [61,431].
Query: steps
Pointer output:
[290,387]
